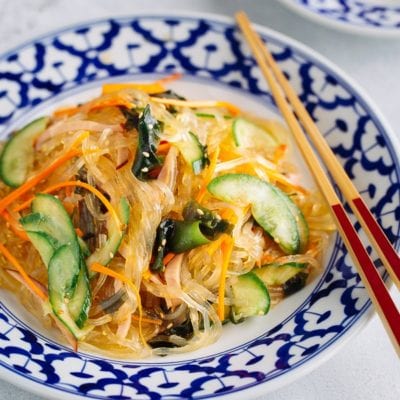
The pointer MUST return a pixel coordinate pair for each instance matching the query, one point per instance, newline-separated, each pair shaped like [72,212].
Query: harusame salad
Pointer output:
[140,222]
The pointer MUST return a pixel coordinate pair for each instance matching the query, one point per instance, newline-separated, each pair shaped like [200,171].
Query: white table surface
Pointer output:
[366,367]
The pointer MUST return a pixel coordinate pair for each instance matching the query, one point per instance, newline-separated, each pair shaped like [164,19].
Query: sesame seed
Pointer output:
[111,254]
[146,154]
[159,248]
[163,242]
[150,126]
[277,241]
[145,169]
[200,212]
[218,217]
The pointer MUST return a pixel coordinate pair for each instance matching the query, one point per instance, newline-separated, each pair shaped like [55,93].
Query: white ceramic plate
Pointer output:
[261,354]
[379,18]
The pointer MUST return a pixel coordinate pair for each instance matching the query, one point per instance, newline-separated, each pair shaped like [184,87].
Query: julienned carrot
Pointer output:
[150,88]
[214,246]
[226,247]
[279,153]
[79,232]
[229,215]
[32,182]
[234,110]
[168,258]
[84,185]
[65,111]
[163,147]
[197,104]
[14,225]
[101,269]
[169,78]
[111,102]
[14,262]
[69,206]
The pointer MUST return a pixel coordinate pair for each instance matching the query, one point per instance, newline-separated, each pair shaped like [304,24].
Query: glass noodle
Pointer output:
[174,310]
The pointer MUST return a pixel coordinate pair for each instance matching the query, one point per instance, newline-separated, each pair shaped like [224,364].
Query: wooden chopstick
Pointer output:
[376,235]
[370,276]
[381,243]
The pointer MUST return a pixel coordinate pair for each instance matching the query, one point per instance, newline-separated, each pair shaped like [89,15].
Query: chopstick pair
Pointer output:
[289,104]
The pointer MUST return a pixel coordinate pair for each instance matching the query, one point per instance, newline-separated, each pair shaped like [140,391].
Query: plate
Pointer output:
[371,17]
[259,355]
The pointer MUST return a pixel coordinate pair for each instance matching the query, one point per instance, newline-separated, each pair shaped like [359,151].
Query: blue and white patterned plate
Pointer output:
[372,17]
[258,355]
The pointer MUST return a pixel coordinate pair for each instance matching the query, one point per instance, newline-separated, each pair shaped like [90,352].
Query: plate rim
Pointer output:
[346,27]
[365,315]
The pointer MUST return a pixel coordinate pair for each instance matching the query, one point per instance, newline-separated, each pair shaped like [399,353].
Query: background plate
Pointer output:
[371,17]
[61,66]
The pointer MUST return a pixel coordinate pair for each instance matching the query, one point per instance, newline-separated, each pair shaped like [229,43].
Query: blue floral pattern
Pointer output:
[376,15]
[55,64]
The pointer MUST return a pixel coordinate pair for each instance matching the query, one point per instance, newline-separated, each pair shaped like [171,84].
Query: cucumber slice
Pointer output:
[270,207]
[278,274]
[193,152]
[61,279]
[105,254]
[57,223]
[17,156]
[291,276]
[301,223]
[50,229]
[247,135]
[250,297]
[44,244]
[51,221]
[79,304]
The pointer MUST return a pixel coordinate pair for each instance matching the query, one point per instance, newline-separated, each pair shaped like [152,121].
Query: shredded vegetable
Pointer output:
[167,218]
